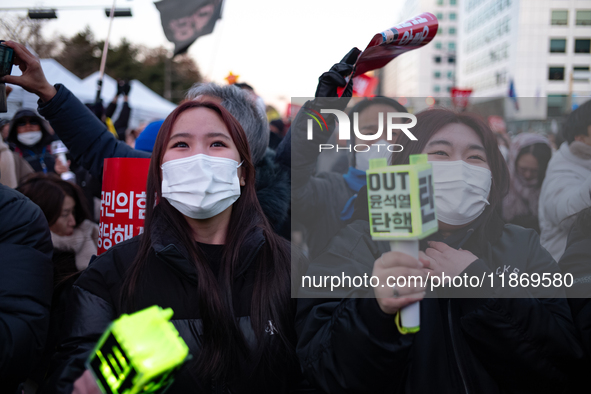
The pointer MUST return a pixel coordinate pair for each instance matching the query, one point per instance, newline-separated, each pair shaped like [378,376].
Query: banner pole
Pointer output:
[99,83]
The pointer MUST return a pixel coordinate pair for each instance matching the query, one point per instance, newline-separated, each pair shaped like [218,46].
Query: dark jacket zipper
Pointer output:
[453,345]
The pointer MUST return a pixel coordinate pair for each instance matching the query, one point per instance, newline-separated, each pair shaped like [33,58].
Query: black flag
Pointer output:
[184,21]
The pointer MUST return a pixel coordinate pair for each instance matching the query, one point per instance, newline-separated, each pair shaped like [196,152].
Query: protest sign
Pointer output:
[123,201]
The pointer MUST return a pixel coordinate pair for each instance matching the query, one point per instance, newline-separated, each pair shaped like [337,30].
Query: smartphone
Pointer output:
[6,59]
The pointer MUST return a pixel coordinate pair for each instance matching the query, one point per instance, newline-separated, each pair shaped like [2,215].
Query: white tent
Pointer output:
[55,73]
[146,105]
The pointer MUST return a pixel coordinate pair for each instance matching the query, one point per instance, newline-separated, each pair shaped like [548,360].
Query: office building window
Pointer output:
[440,30]
[559,17]
[452,31]
[439,16]
[452,16]
[451,46]
[582,45]
[438,45]
[556,73]
[557,45]
[437,59]
[584,18]
[440,2]
[452,2]
[436,88]
[437,74]
[450,75]
[581,73]
[448,89]
[557,105]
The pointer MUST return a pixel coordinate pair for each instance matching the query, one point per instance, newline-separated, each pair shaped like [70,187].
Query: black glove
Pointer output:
[126,88]
[335,78]
[120,84]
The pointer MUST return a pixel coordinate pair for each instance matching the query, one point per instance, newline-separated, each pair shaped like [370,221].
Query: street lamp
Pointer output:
[45,13]
[119,12]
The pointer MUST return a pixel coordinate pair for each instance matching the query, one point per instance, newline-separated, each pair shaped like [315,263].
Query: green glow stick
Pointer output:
[402,210]
[138,353]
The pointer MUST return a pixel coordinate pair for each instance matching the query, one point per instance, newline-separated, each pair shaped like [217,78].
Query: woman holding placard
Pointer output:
[494,338]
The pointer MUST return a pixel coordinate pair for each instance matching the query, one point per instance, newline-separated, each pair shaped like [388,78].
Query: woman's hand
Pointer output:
[32,79]
[60,167]
[389,267]
[85,384]
[445,259]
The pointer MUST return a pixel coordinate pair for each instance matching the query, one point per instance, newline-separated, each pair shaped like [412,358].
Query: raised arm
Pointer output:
[87,138]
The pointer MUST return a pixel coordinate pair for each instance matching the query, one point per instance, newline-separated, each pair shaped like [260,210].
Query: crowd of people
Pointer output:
[237,211]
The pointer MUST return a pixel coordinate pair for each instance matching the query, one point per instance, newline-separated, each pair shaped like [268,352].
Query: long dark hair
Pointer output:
[542,153]
[431,121]
[48,191]
[223,342]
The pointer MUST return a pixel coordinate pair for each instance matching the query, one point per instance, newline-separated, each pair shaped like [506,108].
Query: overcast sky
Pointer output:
[279,47]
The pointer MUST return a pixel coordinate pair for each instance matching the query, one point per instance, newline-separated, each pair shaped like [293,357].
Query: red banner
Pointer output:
[460,97]
[406,36]
[497,124]
[292,110]
[363,86]
[123,201]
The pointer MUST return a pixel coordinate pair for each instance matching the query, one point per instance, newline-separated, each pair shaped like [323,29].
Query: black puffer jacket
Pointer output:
[26,284]
[168,280]
[576,261]
[480,345]
[318,199]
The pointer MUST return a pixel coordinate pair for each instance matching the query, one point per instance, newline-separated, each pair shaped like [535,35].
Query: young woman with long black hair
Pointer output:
[207,252]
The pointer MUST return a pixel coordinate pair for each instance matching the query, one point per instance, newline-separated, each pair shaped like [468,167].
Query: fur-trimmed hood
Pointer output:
[83,242]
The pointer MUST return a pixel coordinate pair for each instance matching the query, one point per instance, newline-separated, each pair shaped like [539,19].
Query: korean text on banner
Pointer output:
[123,201]
[389,44]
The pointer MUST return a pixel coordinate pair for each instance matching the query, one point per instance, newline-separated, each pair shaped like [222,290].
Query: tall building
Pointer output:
[543,46]
[430,70]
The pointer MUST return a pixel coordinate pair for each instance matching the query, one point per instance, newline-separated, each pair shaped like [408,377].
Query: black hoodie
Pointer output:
[39,155]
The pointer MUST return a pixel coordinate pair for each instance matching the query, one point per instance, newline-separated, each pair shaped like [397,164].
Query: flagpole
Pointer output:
[99,82]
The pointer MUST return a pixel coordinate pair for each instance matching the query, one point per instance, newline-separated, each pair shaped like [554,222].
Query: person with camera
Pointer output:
[90,142]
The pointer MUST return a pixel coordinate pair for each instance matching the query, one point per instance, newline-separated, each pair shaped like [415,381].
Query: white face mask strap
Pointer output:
[240,164]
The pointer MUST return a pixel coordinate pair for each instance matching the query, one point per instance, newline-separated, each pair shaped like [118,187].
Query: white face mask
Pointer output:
[201,186]
[461,191]
[29,138]
[362,158]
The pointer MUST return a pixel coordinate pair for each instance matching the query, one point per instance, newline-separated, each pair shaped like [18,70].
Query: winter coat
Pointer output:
[566,191]
[122,120]
[26,275]
[317,199]
[169,279]
[12,166]
[576,261]
[39,155]
[90,143]
[487,344]
[83,242]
